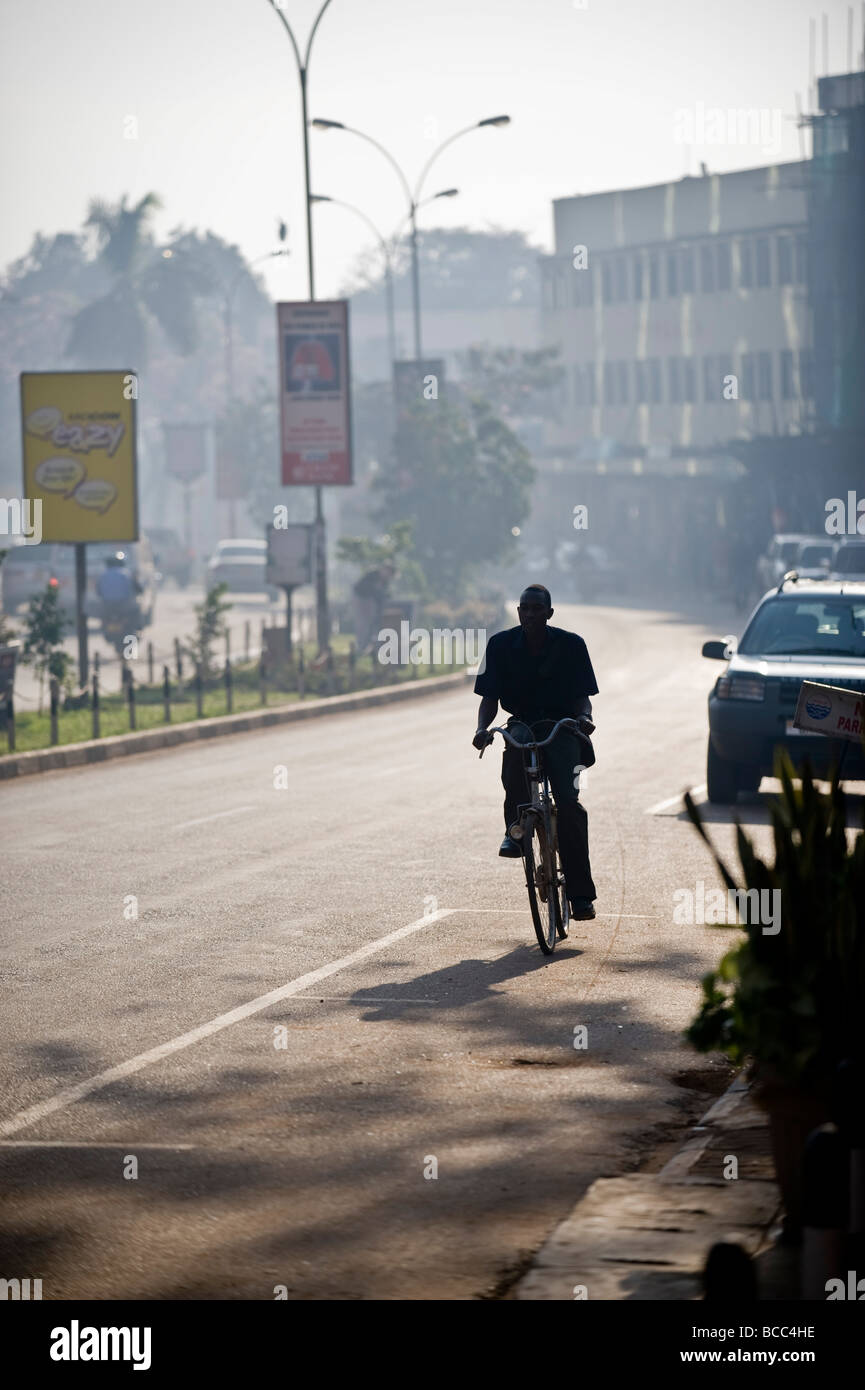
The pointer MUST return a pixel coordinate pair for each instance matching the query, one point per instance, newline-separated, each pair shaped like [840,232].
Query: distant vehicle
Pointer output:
[170,556]
[141,567]
[810,630]
[814,559]
[28,569]
[241,565]
[781,556]
[849,560]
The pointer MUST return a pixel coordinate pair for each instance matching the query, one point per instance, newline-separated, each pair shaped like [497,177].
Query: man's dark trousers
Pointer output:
[563,755]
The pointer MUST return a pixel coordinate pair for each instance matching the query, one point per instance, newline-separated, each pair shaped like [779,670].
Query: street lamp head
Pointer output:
[320,124]
[496,121]
[319,198]
[447,193]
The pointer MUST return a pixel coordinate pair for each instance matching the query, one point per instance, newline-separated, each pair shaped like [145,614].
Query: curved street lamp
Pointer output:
[413,197]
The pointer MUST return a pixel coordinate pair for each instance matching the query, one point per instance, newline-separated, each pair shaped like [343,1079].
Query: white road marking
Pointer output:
[38,1112]
[217,815]
[130,1144]
[674,800]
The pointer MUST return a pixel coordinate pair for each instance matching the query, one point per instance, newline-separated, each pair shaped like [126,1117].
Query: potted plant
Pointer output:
[789,1001]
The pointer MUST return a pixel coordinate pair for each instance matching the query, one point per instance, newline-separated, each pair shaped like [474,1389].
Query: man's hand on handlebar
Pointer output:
[482,739]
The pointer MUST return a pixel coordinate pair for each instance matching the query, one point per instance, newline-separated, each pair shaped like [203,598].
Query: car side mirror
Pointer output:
[716,650]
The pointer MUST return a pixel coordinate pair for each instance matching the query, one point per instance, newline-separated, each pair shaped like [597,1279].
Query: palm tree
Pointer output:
[145,283]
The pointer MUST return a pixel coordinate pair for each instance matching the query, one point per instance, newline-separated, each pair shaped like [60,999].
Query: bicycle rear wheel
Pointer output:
[542,885]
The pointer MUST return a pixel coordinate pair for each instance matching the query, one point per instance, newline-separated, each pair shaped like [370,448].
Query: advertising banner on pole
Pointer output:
[314,393]
[79,454]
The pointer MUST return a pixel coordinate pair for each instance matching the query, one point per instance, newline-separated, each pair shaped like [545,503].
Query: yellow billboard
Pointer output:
[79,453]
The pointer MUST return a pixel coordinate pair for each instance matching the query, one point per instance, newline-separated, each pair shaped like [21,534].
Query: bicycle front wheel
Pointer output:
[542,885]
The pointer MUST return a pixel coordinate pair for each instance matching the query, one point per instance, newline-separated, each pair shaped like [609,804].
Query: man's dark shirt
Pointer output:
[545,686]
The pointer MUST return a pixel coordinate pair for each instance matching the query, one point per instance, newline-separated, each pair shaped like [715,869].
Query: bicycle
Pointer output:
[536,830]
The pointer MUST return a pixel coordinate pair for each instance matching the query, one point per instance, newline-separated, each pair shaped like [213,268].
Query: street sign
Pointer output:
[186,451]
[78,432]
[289,555]
[830,710]
[314,393]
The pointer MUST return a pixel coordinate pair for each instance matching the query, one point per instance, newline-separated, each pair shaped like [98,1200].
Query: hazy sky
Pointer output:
[595,89]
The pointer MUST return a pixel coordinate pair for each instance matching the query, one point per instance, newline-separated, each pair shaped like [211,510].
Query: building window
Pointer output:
[624,392]
[785,260]
[806,374]
[711,386]
[654,277]
[641,382]
[801,260]
[609,384]
[689,381]
[748,383]
[686,269]
[764,376]
[655,387]
[638,277]
[761,257]
[707,269]
[746,265]
[788,382]
[607,282]
[725,369]
[672,274]
[621,278]
[724,276]
[674,380]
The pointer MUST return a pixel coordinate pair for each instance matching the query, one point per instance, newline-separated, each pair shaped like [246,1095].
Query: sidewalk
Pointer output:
[646,1236]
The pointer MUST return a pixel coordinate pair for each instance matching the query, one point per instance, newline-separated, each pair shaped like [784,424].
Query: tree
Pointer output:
[44,626]
[513,380]
[145,284]
[462,477]
[209,625]
[460,269]
[392,548]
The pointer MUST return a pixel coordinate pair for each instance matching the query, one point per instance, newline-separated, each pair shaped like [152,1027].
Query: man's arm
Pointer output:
[486,714]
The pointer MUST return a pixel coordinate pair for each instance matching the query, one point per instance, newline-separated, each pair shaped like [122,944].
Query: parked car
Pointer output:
[781,555]
[170,556]
[241,565]
[849,560]
[811,630]
[814,559]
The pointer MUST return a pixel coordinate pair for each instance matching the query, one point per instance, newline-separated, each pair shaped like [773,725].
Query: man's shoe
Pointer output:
[582,910]
[509,849]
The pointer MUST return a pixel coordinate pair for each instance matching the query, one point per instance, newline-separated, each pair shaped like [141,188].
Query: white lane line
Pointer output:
[217,815]
[35,1113]
[673,801]
[130,1144]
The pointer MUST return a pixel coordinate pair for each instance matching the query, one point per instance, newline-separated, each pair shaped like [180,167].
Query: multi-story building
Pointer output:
[681,312]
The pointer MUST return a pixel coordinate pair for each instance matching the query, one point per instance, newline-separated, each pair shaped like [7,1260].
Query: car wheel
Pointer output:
[749,777]
[722,778]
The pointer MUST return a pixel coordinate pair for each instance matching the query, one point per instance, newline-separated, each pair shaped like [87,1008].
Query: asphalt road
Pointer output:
[331,991]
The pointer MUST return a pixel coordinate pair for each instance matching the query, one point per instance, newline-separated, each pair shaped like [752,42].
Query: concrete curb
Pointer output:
[100,750]
[645,1236]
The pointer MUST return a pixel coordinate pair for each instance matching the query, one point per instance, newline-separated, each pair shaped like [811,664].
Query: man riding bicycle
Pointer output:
[541,674]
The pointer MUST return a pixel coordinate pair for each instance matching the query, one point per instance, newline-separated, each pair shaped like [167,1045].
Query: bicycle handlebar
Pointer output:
[500,729]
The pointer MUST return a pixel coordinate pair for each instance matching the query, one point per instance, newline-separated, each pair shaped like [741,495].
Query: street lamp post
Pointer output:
[321,603]
[387,251]
[413,197]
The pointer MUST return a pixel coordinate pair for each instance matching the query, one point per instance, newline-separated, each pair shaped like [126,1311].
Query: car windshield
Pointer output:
[248,549]
[812,556]
[850,560]
[834,626]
